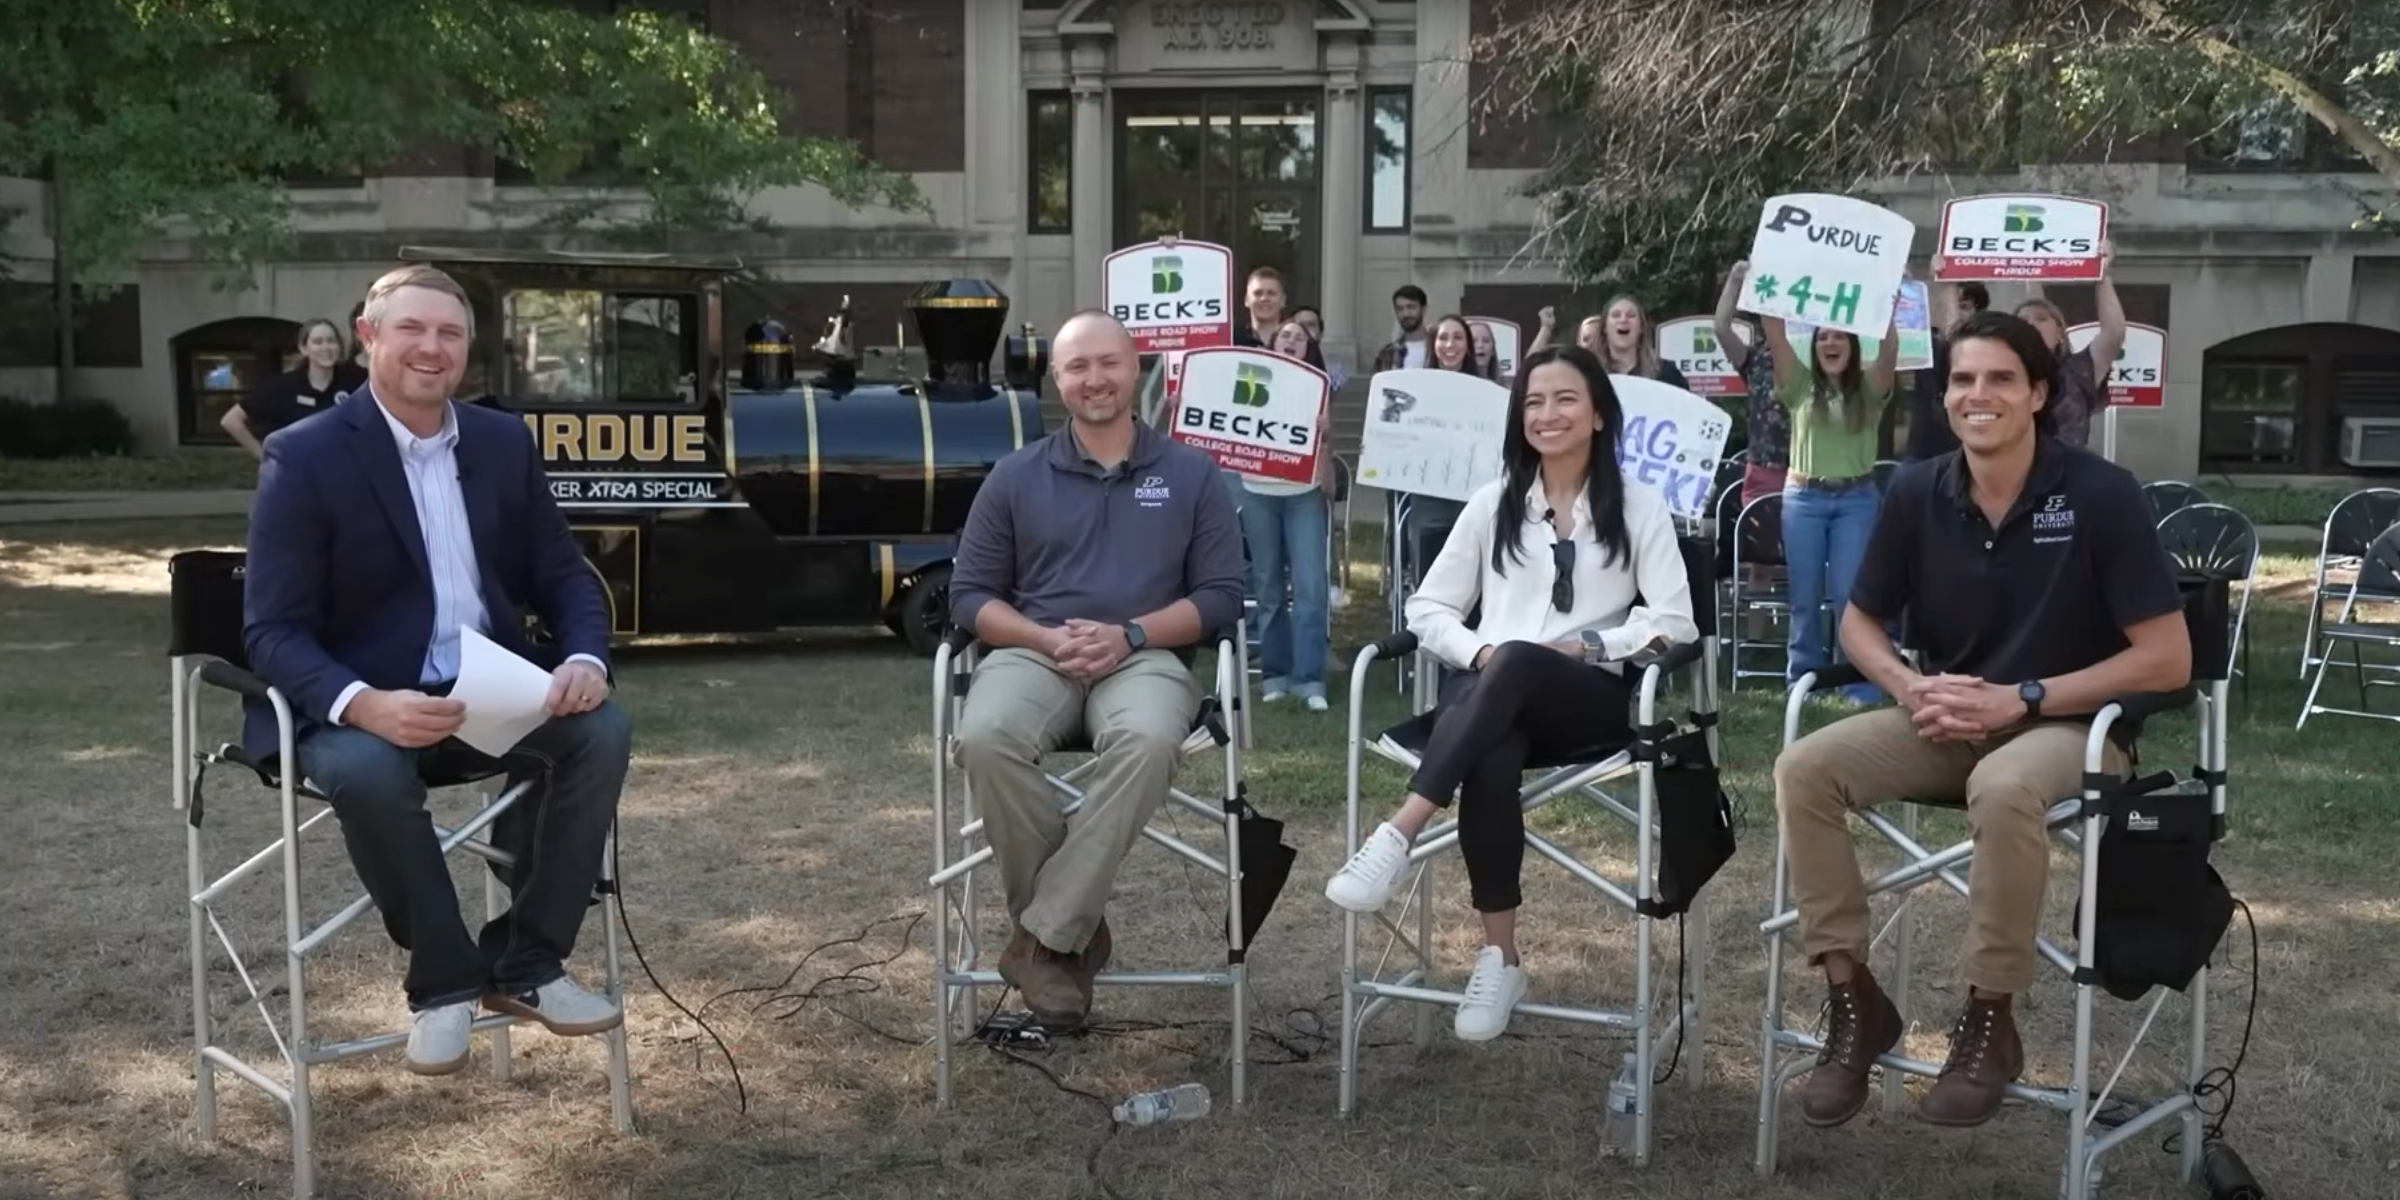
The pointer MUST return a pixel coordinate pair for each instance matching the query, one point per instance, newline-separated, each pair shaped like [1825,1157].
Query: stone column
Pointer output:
[1095,215]
[1342,166]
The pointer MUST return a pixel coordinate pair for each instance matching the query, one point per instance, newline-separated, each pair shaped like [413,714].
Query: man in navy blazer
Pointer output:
[377,538]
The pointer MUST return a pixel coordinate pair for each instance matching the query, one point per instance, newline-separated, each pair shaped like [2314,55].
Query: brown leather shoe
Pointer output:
[1046,978]
[1985,1057]
[1093,959]
[1862,1024]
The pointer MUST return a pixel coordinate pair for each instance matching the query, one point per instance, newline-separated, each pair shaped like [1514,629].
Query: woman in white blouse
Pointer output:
[1575,572]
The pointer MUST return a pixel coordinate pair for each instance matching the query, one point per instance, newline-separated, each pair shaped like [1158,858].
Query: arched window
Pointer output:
[2320,398]
[220,363]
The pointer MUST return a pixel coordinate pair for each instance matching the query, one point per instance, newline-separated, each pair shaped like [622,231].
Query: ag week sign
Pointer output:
[1827,260]
[1171,297]
[1671,442]
[2018,236]
[1691,344]
[1254,411]
[2138,379]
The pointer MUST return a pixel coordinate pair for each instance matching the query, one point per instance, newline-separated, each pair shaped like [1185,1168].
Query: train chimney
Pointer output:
[960,322]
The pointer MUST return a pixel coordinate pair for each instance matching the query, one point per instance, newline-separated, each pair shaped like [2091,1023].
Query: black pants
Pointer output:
[1528,702]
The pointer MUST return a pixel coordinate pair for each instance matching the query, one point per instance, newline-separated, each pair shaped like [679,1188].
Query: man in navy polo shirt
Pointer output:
[1089,558]
[2035,590]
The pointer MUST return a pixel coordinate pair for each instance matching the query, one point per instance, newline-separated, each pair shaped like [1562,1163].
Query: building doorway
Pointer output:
[1236,168]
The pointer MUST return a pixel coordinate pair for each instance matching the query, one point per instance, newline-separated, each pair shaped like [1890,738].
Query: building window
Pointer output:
[1050,149]
[1387,159]
[2250,414]
[579,347]
[220,364]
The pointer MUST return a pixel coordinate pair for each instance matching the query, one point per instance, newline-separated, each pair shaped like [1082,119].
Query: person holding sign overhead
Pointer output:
[1622,338]
[2079,392]
[1835,402]
[1287,529]
[1573,572]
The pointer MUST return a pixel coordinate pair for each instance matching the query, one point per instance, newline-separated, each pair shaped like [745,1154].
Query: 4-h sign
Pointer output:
[2021,237]
[1256,412]
[1691,344]
[2138,379]
[1171,297]
[1827,260]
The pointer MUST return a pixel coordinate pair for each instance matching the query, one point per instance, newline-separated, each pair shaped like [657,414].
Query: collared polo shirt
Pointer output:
[2050,591]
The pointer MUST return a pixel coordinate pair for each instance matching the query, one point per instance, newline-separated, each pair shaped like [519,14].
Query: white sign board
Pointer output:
[1508,342]
[1671,442]
[1691,344]
[1827,260]
[1432,433]
[2015,236]
[1254,411]
[2138,379]
[1171,297]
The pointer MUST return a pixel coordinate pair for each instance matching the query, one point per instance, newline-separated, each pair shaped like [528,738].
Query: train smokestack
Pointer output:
[960,322]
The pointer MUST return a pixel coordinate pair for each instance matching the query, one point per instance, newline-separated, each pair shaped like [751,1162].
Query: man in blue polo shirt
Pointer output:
[2035,591]
[1089,559]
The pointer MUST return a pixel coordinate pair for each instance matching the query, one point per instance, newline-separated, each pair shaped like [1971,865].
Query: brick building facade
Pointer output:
[1329,138]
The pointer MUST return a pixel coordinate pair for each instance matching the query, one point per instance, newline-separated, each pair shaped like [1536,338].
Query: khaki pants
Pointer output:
[2007,784]
[1058,873]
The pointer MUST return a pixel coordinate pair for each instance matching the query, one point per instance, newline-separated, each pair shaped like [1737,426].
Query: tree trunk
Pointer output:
[62,276]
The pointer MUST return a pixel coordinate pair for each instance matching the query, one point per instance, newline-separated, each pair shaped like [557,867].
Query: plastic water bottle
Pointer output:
[1183,1102]
[1616,1132]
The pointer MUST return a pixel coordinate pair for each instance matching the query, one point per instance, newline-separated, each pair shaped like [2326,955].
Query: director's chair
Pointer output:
[205,648]
[959,850]
[1683,839]
[2151,909]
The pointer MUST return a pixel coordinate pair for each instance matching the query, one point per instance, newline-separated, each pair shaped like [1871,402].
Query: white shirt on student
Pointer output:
[1516,605]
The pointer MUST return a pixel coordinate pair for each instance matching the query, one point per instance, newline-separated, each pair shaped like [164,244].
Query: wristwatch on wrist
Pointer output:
[1135,637]
[2031,692]
[1595,651]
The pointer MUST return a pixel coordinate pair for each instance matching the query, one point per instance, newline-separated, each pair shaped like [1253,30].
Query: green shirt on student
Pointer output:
[1823,444]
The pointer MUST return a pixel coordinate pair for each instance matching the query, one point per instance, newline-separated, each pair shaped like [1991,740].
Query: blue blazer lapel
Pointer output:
[379,464]
[479,484]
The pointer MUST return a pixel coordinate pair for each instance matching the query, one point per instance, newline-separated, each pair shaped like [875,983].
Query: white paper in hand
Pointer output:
[504,694]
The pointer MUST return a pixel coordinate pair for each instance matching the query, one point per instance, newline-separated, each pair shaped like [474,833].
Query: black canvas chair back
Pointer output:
[205,605]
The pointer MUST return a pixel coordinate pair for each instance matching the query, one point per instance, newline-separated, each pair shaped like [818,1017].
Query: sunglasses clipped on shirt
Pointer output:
[1562,588]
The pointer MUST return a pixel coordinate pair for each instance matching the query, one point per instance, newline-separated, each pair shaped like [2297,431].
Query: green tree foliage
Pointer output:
[186,116]
[1680,117]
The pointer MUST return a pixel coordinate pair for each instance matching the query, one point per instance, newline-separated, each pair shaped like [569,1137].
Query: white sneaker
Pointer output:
[562,1007]
[1365,883]
[1317,704]
[1492,994]
[1273,693]
[437,1038]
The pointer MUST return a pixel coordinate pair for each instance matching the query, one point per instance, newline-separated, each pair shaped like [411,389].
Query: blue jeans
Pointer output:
[1287,539]
[1824,539]
[556,834]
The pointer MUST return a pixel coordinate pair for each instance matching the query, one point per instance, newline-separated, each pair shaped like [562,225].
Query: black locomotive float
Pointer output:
[771,501]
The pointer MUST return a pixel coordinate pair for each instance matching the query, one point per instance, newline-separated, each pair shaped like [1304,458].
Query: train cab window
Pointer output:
[570,346]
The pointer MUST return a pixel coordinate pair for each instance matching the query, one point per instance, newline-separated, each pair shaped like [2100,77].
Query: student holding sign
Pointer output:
[1835,403]
[2079,393]
[1574,572]
[1287,529]
[1622,338]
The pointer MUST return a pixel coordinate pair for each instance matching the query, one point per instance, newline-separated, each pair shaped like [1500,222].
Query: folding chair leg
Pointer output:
[620,1069]
[495,902]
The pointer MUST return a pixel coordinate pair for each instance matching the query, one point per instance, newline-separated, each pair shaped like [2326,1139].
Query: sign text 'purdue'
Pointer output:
[620,437]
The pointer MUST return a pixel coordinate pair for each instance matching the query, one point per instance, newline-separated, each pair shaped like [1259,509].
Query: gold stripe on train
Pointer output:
[808,401]
[1016,420]
[957,302]
[886,571]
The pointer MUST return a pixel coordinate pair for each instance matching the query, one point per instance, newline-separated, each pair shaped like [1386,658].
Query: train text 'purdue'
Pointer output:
[620,437]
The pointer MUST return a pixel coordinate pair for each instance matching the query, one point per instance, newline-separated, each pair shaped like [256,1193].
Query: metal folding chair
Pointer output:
[959,850]
[2214,540]
[1366,992]
[1757,538]
[206,648]
[2167,495]
[2378,572]
[2353,523]
[2080,822]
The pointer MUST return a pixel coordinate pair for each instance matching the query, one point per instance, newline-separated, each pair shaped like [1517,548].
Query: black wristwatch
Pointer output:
[1135,638]
[2031,692]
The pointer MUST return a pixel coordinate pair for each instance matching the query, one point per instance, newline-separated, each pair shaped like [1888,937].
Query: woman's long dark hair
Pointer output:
[1466,365]
[1851,385]
[1603,483]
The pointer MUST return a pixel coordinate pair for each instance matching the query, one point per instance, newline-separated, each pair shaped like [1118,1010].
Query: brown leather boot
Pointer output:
[1985,1057]
[1093,959]
[1862,1023]
[1046,978]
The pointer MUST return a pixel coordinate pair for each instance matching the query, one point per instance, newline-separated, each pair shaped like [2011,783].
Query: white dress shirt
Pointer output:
[431,467]
[1516,606]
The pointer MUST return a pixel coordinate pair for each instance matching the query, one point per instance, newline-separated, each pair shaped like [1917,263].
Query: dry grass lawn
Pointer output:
[778,803]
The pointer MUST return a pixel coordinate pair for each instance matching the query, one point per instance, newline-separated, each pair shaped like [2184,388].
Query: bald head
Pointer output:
[1097,367]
